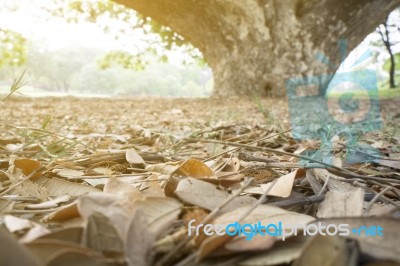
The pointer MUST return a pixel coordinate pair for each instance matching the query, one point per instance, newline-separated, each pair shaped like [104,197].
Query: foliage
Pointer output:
[12,49]
[109,15]
[386,66]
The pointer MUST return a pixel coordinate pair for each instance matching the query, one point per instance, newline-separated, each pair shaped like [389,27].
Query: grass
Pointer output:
[384,93]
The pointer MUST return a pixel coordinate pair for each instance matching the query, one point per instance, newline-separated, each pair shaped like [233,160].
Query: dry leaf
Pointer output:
[283,186]
[139,241]
[101,235]
[194,168]
[395,164]
[208,196]
[265,214]
[115,186]
[257,243]
[13,253]
[159,212]
[134,158]
[72,234]
[342,204]
[281,253]
[49,204]
[69,173]
[58,187]
[28,166]
[15,224]
[112,206]
[211,244]
[324,250]
[381,247]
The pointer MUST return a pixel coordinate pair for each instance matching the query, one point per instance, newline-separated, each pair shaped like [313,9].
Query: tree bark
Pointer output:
[253,46]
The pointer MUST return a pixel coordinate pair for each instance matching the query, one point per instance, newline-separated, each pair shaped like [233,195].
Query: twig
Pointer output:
[285,153]
[238,148]
[377,196]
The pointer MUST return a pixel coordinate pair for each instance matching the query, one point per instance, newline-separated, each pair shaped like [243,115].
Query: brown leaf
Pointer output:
[283,186]
[194,168]
[28,166]
[324,250]
[208,196]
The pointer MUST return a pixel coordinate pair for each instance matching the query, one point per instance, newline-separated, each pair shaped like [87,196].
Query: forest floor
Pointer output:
[116,181]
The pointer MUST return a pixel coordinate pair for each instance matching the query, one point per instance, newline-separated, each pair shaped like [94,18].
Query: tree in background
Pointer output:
[12,49]
[248,44]
[390,26]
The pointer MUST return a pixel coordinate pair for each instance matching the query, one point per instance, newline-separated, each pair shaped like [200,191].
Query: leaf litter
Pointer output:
[121,186]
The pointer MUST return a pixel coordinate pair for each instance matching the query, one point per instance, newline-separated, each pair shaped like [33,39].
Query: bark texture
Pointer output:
[255,45]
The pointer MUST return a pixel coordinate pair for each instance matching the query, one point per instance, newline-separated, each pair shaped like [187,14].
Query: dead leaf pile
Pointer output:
[109,188]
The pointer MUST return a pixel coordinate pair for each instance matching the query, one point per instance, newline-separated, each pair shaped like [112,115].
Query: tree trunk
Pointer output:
[255,45]
[386,41]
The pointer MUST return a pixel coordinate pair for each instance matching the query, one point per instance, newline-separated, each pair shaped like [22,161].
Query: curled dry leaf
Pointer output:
[189,168]
[28,166]
[194,168]
[49,204]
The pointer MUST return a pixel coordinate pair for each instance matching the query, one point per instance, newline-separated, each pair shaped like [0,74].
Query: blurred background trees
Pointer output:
[136,55]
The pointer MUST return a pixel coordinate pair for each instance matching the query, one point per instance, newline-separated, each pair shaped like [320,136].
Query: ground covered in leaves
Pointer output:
[147,182]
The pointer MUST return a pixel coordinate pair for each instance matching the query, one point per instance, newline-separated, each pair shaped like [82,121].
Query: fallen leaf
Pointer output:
[28,166]
[13,253]
[101,235]
[283,186]
[365,230]
[281,253]
[134,158]
[194,168]
[342,204]
[49,204]
[58,187]
[159,212]
[139,241]
[324,250]
[256,243]
[208,196]
[69,173]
